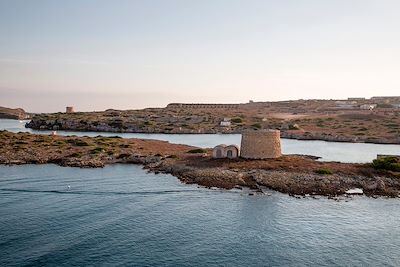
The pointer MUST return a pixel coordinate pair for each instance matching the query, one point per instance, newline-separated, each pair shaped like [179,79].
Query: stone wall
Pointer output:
[261,144]
[203,106]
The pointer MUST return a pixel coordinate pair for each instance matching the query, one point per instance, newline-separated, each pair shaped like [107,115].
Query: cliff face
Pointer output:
[11,113]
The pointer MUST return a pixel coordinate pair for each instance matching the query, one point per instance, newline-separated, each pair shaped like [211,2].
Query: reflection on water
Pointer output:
[328,151]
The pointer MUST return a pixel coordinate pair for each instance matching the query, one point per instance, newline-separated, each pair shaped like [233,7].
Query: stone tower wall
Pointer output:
[261,144]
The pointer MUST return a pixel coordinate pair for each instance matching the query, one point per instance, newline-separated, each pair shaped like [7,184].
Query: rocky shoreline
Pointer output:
[306,124]
[291,174]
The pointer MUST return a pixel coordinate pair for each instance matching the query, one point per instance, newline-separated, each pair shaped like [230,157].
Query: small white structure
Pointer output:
[226,122]
[224,151]
[368,106]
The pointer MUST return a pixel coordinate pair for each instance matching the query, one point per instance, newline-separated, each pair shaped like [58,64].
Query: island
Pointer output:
[291,174]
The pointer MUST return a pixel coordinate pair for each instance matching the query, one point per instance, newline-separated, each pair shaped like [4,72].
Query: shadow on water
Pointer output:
[104,193]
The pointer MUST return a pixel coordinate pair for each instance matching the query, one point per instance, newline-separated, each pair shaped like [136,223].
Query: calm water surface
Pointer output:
[328,151]
[123,216]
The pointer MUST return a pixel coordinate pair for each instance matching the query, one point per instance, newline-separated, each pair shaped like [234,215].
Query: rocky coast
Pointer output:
[292,174]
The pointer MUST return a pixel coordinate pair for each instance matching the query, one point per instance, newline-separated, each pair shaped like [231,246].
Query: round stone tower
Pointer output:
[261,144]
[69,110]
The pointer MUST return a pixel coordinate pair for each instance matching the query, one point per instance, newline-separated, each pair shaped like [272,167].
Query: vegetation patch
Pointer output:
[387,163]
[237,120]
[76,155]
[77,142]
[124,145]
[97,150]
[324,171]
[197,151]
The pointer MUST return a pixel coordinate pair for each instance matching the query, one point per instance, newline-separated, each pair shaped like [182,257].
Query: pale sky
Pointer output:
[97,54]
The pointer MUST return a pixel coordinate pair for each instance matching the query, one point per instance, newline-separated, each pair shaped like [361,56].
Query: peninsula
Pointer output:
[375,120]
[13,113]
[292,174]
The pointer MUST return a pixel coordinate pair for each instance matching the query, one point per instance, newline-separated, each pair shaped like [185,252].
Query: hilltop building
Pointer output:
[368,106]
[226,122]
[69,110]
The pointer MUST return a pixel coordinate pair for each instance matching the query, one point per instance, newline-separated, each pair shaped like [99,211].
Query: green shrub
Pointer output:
[97,150]
[197,151]
[237,120]
[324,171]
[21,143]
[256,125]
[76,155]
[77,142]
[124,145]
[172,157]
[387,163]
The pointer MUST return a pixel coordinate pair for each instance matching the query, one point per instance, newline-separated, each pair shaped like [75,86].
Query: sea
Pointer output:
[121,215]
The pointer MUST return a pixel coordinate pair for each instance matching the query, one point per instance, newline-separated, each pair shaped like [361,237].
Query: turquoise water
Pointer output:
[123,216]
[328,151]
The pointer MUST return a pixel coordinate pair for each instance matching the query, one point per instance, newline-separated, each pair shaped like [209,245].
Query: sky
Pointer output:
[98,54]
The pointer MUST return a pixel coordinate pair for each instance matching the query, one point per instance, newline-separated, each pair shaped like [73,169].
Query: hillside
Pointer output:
[11,113]
[330,120]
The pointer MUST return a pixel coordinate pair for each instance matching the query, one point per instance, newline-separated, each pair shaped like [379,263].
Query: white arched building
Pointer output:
[224,151]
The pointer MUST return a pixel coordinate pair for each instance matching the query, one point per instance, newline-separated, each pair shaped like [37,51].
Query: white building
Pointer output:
[368,106]
[226,122]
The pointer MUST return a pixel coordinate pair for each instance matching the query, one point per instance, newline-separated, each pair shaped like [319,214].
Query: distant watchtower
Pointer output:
[261,144]
[69,110]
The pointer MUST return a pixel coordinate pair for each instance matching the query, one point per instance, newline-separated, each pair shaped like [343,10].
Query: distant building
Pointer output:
[385,97]
[226,122]
[356,98]
[69,110]
[380,156]
[368,106]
